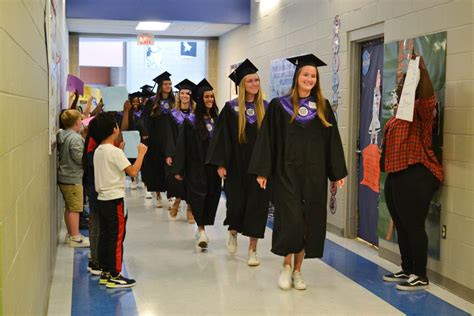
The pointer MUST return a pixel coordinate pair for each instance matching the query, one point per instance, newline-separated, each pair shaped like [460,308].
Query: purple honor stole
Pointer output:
[137,114]
[250,111]
[165,106]
[178,116]
[209,122]
[308,109]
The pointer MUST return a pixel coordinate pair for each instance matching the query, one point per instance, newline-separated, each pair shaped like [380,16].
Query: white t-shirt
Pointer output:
[109,165]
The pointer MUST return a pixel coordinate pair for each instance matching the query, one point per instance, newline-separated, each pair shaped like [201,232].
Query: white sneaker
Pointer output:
[253,259]
[67,239]
[171,202]
[232,243]
[202,239]
[298,282]
[148,195]
[159,203]
[134,185]
[79,242]
[140,185]
[284,281]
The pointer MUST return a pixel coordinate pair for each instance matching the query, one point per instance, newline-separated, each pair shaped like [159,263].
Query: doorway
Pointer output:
[370,88]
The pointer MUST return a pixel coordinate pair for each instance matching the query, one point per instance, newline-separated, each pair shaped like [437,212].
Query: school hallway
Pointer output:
[174,277]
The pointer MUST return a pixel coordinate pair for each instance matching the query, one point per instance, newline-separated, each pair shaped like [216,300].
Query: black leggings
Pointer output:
[408,194]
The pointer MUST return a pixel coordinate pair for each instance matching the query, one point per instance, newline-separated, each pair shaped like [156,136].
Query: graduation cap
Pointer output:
[162,77]
[134,95]
[185,84]
[147,91]
[201,87]
[306,60]
[244,69]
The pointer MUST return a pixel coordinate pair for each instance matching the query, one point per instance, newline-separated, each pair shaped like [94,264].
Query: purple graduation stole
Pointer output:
[250,111]
[308,109]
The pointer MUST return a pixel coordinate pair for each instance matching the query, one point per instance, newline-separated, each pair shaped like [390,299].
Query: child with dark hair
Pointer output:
[110,166]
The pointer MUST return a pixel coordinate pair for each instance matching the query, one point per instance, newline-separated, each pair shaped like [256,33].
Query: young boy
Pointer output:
[110,166]
[71,147]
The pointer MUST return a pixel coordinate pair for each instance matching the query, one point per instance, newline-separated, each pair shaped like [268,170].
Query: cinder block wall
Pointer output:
[28,204]
[298,26]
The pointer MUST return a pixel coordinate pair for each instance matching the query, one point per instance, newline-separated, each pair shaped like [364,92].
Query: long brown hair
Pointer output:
[315,92]
[259,109]
[156,110]
[192,104]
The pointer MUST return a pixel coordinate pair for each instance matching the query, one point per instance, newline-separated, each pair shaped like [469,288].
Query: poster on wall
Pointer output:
[153,57]
[396,59]
[281,77]
[54,62]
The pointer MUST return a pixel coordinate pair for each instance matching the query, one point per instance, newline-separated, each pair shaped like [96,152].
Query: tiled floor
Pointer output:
[176,278]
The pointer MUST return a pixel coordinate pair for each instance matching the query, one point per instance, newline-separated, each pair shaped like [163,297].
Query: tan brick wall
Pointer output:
[301,26]
[28,212]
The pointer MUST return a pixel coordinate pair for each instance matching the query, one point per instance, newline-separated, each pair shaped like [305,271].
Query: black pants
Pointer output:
[93,222]
[408,194]
[112,222]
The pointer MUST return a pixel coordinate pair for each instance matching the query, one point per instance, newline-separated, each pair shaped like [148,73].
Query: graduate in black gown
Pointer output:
[184,107]
[299,148]
[147,92]
[131,121]
[203,185]
[231,150]
[154,116]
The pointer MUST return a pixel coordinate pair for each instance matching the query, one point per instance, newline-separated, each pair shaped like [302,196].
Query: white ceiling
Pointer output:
[185,29]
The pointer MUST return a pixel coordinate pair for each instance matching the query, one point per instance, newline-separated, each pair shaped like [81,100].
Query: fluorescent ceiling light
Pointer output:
[152,26]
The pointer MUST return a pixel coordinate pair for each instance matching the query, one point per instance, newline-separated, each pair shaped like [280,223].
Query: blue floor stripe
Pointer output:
[369,275]
[90,298]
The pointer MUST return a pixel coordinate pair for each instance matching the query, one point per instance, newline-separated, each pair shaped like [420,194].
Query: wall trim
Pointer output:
[456,288]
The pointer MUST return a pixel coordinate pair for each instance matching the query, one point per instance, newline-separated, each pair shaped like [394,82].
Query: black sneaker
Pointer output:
[414,283]
[104,277]
[119,281]
[396,277]
[94,268]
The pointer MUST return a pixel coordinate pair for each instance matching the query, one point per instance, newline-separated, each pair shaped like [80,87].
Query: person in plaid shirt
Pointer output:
[414,175]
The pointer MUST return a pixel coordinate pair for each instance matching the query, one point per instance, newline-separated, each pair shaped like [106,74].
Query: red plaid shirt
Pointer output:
[408,143]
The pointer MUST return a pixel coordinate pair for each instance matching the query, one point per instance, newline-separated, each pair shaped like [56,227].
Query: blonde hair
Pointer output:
[259,109]
[315,92]
[178,103]
[70,117]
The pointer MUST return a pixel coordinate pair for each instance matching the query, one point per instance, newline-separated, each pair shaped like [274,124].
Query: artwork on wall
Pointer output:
[336,96]
[396,58]
[54,74]
[153,57]
[281,77]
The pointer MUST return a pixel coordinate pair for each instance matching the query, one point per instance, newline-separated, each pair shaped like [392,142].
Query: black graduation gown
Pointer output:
[298,158]
[247,203]
[203,184]
[174,124]
[155,156]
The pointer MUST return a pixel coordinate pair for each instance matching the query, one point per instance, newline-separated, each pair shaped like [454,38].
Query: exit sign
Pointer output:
[146,39]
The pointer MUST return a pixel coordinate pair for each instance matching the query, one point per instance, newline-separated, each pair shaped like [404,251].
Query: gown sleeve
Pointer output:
[179,157]
[170,139]
[336,164]
[220,147]
[262,161]
[145,117]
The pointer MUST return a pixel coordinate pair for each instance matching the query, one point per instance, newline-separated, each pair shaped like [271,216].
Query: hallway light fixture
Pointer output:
[152,26]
